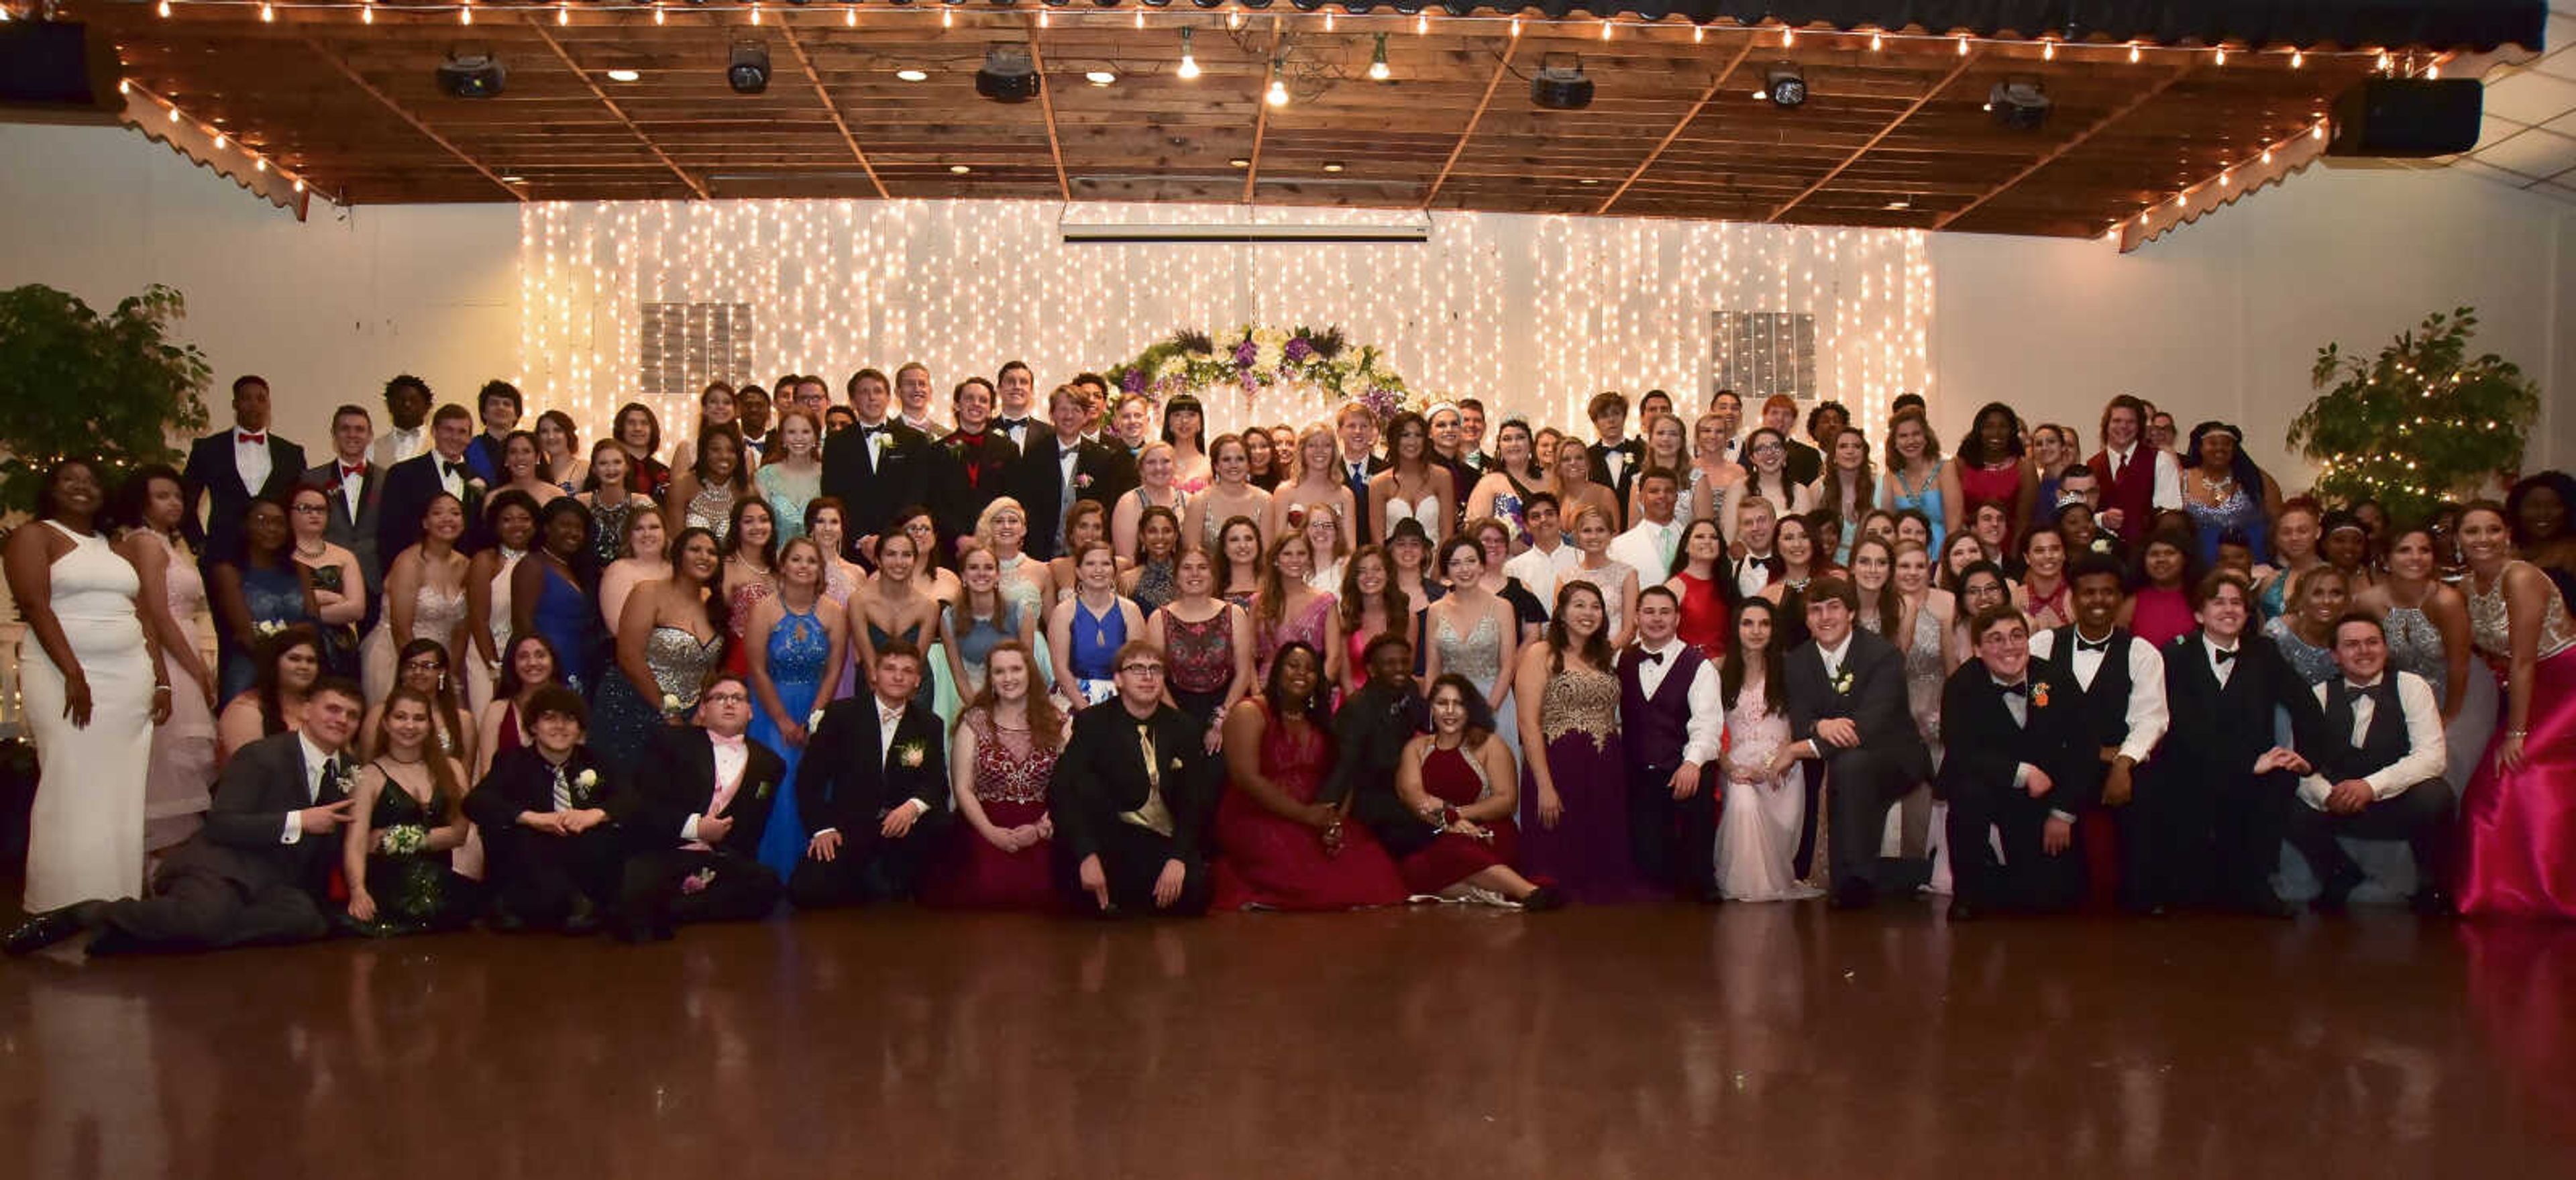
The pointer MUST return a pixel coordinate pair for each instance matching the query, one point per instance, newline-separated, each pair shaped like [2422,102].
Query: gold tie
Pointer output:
[1152,816]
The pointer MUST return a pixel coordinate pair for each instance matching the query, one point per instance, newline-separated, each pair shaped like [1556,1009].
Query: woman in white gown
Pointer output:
[91,683]
[1757,831]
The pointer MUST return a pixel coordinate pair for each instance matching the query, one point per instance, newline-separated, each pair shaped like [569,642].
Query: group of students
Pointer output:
[1285,586]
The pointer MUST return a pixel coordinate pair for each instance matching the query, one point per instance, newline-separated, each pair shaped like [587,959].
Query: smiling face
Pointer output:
[1913,569]
[425,672]
[800,568]
[2361,650]
[1133,419]
[406,725]
[1753,629]
[298,666]
[1294,558]
[1242,546]
[974,406]
[2411,557]
[2543,513]
[2004,646]
[1797,544]
[2296,534]
[1829,620]
[2163,562]
[1448,711]
[1982,589]
[1580,606]
[264,525]
[698,559]
[647,537]
[912,387]
[2323,595]
[1007,671]
[1298,673]
[1871,566]
[2046,555]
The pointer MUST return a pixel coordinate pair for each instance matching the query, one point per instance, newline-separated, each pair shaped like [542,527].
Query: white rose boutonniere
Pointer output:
[910,755]
[475,486]
[1843,683]
[672,706]
[268,628]
[587,779]
[814,720]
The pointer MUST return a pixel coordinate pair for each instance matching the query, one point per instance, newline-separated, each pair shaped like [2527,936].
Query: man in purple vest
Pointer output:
[1672,723]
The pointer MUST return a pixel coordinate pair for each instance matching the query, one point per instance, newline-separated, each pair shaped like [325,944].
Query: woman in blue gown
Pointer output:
[552,594]
[258,592]
[795,638]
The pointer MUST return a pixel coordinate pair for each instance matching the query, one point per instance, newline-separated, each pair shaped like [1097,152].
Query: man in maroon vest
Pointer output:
[1673,723]
[2137,480]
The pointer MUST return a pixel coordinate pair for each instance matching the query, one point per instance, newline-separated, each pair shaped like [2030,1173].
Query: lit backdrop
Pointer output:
[1533,314]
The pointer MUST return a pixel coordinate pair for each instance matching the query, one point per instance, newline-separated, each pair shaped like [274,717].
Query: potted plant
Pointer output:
[2421,423]
[112,388]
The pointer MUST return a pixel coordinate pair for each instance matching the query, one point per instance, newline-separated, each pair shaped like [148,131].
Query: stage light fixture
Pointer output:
[472,75]
[1377,70]
[1007,74]
[1786,85]
[748,69]
[2020,104]
[1560,84]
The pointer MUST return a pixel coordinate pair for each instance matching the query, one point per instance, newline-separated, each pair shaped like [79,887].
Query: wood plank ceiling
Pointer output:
[1891,136]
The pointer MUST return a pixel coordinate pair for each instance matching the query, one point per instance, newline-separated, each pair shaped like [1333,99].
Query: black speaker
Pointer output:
[57,71]
[2407,117]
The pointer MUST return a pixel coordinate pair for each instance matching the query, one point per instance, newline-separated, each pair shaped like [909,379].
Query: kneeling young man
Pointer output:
[2022,761]
[874,783]
[2379,758]
[696,815]
[1130,797]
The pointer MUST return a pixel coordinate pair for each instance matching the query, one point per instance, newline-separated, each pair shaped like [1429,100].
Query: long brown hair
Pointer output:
[1046,724]
[446,791]
[1399,610]
[1271,600]
[1597,648]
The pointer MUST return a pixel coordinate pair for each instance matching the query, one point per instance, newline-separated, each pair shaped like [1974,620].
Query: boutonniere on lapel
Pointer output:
[1843,682]
[475,487]
[910,755]
[697,882]
[343,777]
[2039,695]
[673,706]
[1082,481]
[1176,765]
[761,789]
[582,786]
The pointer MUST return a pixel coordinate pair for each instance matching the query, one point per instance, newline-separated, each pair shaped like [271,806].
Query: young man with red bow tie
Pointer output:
[229,469]
[356,487]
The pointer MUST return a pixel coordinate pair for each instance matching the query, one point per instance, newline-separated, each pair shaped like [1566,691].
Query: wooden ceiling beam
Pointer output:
[1046,103]
[695,185]
[2081,137]
[1705,97]
[1965,60]
[805,61]
[1502,65]
[1261,109]
[400,112]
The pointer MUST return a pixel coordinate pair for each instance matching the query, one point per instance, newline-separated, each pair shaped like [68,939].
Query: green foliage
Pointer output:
[2420,423]
[113,389]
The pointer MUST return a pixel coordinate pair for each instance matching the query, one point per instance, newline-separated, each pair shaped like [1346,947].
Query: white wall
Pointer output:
[2219,320]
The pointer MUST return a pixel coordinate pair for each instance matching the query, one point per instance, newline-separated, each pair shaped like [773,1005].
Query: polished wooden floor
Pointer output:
[1437,1042]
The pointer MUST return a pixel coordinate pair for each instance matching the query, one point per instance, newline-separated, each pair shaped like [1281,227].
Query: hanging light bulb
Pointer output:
[657,13]
[755,15]
[267,13]
[2298,58]
[1963,47]
[1605,28]
[2048,50]
[947,19]
[299,186]
[1421,23]
[1189,65]
[2222,55]
[465,13]
[165,7]
[1042,18]
[563,15]
[850,16]
[1699,34]
[1328,22]
[1516,26]
[367,13]
[2134,53]
[1278,96]
[220,140]
[1788,37]
[1377,70]
[259,165]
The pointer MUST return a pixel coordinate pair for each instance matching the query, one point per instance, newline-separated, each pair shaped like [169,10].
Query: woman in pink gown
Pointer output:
[2518,815]
[1278,847]
[178,786]
[1007,742]
[2161,610]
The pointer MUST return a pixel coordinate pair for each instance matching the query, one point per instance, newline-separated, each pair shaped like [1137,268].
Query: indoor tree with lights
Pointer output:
[2422,423]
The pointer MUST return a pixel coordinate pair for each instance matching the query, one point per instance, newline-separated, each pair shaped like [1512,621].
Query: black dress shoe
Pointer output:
[1542,899]
[583,921]
[52,926]
[1961,911]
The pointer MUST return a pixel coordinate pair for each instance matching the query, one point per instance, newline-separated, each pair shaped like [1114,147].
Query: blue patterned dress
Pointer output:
[797,648]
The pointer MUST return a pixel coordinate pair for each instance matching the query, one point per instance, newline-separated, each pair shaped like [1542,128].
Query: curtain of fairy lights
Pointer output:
[1532,314]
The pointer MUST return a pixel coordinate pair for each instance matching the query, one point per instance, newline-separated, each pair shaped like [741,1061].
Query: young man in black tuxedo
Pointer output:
[1355,429]
[1672,721]
[411,484]
[2122,681]
[227,471]
[695,814]
[355,486]
[544,810]
[2216,799]
[2379,759]
[1616,458]
[1016,388]
[974,465]
[1847,708]
[876,466]
[1059,466]
[2021,760]
[874,785]
[259,872]
[1369,733]
[1130,796]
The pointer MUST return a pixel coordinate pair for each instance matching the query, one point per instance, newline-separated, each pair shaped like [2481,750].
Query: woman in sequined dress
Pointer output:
[1574,785]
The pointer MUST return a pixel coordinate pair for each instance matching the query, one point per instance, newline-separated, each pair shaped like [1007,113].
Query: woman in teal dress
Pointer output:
[797,641]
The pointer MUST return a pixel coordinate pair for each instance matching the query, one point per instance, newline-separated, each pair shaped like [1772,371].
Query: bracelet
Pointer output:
[2517,733]
[160,688]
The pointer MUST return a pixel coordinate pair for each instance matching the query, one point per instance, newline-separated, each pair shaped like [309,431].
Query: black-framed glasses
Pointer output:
[1141,669]
[726,698]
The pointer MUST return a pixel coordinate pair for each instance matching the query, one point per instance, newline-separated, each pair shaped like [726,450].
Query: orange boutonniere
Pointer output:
[2039,695]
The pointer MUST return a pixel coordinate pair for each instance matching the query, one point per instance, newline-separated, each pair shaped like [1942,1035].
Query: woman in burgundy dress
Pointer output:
[1461,781]
[1006,745]
[1708,594]
[1993,469]
[1278,846]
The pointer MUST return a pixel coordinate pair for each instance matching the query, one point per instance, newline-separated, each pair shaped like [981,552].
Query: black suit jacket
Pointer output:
[356,532]
[968,474]
[409,487]
[243,840]
[1874,700]
[1804,463]
[678,780]
[1102,773]
[874,490]
[843,783]
[2217,732]
[212,476]
[1359,487]
[522,780]
[1037,480]
[1635,450]
[1985,748]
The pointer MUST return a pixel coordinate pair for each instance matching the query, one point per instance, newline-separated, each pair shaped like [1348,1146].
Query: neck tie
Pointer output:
[253,437]
[1152,815]
[330,774]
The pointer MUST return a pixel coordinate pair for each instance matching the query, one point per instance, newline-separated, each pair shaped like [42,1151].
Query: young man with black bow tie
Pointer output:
[2122,702]
[229,469]
[874,786]
[2021,761]
[2216,799]
[876,466]
[1672,722]
[545,813]
[259,872]
[1016,387]
[2379,758]
[695,816]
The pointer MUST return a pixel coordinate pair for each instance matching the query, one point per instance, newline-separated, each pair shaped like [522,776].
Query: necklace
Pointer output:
[2217,489]
[301,551]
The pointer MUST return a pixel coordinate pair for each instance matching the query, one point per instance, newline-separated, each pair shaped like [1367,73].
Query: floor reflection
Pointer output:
[1453,1041]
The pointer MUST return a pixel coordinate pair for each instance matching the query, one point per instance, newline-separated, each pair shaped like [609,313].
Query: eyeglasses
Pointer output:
[726,698]
[313,508]
[1141,669]
[1769,448]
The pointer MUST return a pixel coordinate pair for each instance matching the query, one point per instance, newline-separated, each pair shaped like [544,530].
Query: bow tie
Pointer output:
[457,468]
[880,428]
[352,470]
[2100,645]
[2019,690]
[1010,423]
[2224,656]
[721,742]
[2349,686]
[1651,657]
[259,437]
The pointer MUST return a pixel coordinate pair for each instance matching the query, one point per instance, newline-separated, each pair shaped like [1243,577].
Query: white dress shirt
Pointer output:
[1750,576]
[2218,668]
[2168,492]
[394,446]
[1648,549]
[1705,736]
[2148,716]
[314,761]
[452,482]
[2427,756]
[731,760]
[1542,570]
[1834,656]
[888,716]
[252,460]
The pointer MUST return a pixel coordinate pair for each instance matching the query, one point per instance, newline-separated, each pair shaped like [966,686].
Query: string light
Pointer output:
[1140,20]
[850,16]
[1328,21]
[1788,37]
[1234,18]
[164,8]
[1876,42]
[2222,55]
[1189,64]
[755,16]
[1042,15]
[947,19]
[1516,26]
[658,16]
[220,141]
[2134,53]
[1278,96]
[1605,28]
[367,13]
[1699,34]
[1421,23]
[465,12]
[2048,50]
[563,14]
[1377,70]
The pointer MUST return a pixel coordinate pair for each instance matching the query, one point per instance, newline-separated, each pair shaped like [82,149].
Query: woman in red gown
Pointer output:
[1278,847]
[1007,742]
[1460,779]
[1706,590]
[1993,469]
